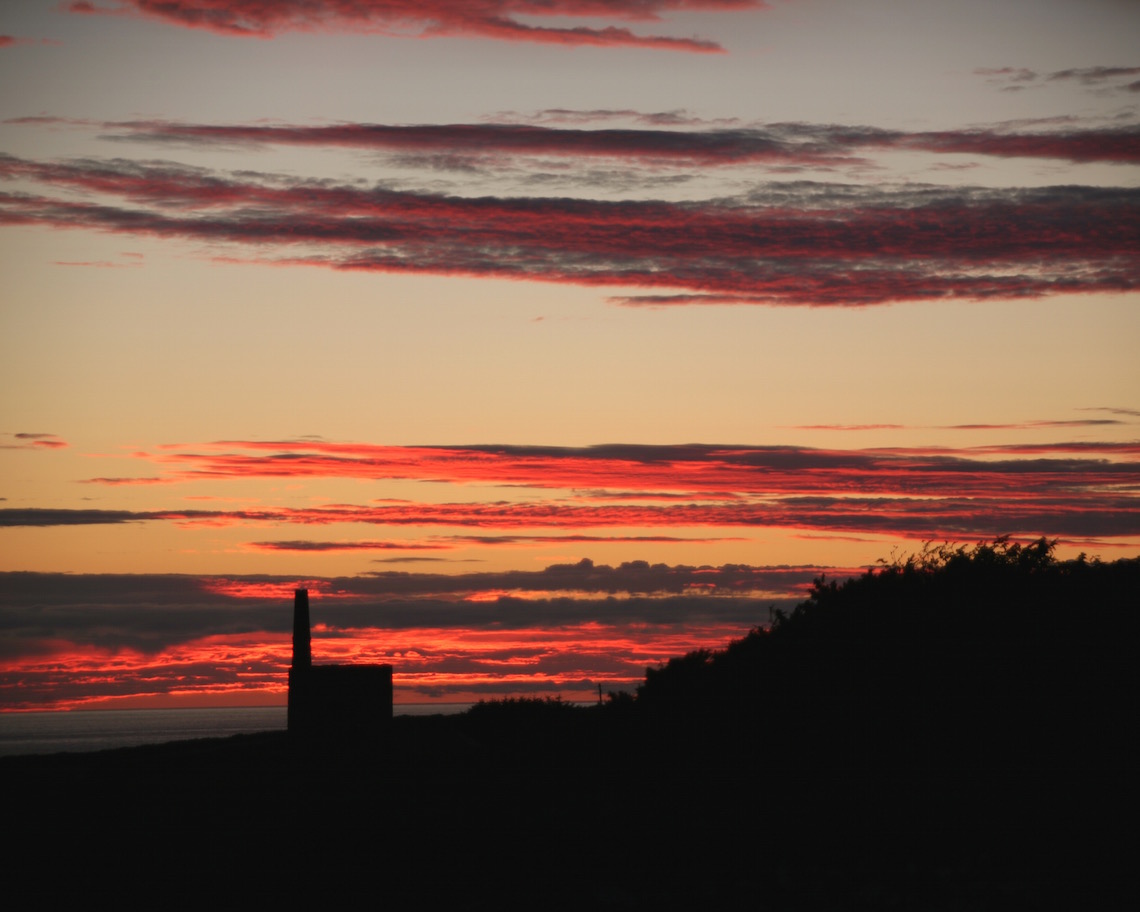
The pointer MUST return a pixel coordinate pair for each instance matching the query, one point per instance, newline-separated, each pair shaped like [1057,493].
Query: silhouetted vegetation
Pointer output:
[949,640]
[950,730]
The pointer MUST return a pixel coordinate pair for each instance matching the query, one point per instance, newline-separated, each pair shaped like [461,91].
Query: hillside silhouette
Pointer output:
[952,652]
[947,731]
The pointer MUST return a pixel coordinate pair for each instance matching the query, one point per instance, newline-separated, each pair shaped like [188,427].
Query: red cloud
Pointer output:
[449,542]
[1079,512]
[935,493]
[714,471]
[1113,145]
[29,441]
[781,246]
[428,18]
[786,144]
[429,663]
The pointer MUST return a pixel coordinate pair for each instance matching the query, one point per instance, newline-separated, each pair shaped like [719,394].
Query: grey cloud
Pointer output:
[149,612]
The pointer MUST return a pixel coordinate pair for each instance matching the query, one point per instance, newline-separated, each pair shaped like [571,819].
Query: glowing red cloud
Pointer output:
[635,470]
[283,591]
[928,491]
[429,663]
[426,18]
[1072,489]
[233,670]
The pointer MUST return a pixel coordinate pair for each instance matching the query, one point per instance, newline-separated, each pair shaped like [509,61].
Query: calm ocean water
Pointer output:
[55,732]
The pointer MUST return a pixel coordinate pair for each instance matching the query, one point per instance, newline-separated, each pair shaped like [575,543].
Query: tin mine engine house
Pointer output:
[334,699]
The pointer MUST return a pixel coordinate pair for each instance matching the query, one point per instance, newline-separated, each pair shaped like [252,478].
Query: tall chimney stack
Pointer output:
[300,687]
[302,647]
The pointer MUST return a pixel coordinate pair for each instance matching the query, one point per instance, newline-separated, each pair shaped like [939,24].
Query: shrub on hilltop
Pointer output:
[954,655]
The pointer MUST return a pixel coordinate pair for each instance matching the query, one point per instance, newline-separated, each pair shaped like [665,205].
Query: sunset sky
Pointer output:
[542,340]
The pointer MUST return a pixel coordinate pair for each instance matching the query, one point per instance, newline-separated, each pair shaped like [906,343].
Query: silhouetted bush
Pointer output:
[994,621]
[995,657]
[965,703]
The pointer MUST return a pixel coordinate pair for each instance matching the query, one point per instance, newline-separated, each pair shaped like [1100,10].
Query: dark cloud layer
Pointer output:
[1095,75]
[783,144]
[148,612]
[791,244]
[64,517]
[1078,515]
[1098,78]
[448,542]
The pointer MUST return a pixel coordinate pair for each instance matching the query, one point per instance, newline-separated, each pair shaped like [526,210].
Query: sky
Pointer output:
[541,341]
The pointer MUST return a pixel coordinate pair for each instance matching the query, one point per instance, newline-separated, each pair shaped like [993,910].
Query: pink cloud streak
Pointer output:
[496,19]
[798,144]
[779,246]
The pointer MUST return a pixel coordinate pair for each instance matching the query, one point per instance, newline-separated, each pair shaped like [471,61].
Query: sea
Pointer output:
[94,730]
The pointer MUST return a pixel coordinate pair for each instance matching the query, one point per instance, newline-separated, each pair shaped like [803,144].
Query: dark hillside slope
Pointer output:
[968,706]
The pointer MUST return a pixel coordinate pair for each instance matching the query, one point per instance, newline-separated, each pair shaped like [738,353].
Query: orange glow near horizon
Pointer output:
[246,589]
[430,665]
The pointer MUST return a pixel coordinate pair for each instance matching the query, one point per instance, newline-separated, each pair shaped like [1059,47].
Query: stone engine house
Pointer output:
[331,699]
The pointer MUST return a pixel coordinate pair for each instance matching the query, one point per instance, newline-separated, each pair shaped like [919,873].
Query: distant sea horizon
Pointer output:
[81,731]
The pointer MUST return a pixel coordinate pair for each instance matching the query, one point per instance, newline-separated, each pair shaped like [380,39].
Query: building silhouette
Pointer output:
[331,699]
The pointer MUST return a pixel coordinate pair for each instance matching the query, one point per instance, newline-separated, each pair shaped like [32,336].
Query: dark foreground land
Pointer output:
[952,732]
